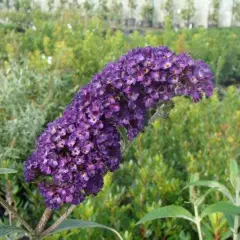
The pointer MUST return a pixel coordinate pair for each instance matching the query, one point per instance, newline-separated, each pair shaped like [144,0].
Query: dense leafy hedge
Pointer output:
[195,139]
[82,48]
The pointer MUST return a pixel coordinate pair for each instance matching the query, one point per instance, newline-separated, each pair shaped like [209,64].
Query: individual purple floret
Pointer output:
[76,150]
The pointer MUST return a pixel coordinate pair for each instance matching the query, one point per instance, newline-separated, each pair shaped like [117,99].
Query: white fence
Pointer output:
[203,8]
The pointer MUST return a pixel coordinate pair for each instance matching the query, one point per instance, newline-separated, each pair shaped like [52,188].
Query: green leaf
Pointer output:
[233,168]
[230,220]
[206,232]
[7,171]
[125,143]
[162,111]
[224,207]
[200,200]
[234,173]
[74,223]
[213,184]
[226,235]
[7,229]
[166,212]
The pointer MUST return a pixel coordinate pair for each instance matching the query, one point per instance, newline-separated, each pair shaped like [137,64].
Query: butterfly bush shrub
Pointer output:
[76,150]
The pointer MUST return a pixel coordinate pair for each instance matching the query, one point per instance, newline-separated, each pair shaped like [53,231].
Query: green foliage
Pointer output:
[76,51]
[147,11]
[132,6]
[188,12]
[116,10]
[166,212]
[73,224]
[230,209]
[6,230]
[215,185]
[168,7]
[17,5]
[27,101]
[236,11]
[214,15]
[223,207]
[7,170]
[50,4]
[103,9]
[25,5]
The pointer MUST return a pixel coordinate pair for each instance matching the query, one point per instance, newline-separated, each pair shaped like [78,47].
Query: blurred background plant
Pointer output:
[130,21]
[214,14]
[116,12]
[188,12]
[168,7]
[236,12]
[132,4]
[147,13]
[103,9]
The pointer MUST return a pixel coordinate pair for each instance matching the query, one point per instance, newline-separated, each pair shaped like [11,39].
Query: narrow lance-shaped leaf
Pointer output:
[234,173]
[213,184]
[224,207]
[166,212]
[74,223]
[200,200]
[162,111]
[230,220]
[206,232]
[125,143]
[7,229]
[233,169]
[226,235]
[7,170]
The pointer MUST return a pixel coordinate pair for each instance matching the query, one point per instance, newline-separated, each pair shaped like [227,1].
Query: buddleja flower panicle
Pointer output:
[76,150]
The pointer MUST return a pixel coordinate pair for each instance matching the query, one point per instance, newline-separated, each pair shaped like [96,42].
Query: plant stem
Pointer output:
[236,218]
[35,237]
[236,223]
[162,111]
[9,199]
[59,221]
[43,221]
[198,222]
[159,113]
[15,214]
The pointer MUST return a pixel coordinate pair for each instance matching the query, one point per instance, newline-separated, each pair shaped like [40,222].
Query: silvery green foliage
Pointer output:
[20,118]
[27,101]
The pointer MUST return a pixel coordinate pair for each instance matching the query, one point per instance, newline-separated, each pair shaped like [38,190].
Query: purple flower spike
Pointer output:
[76,150]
